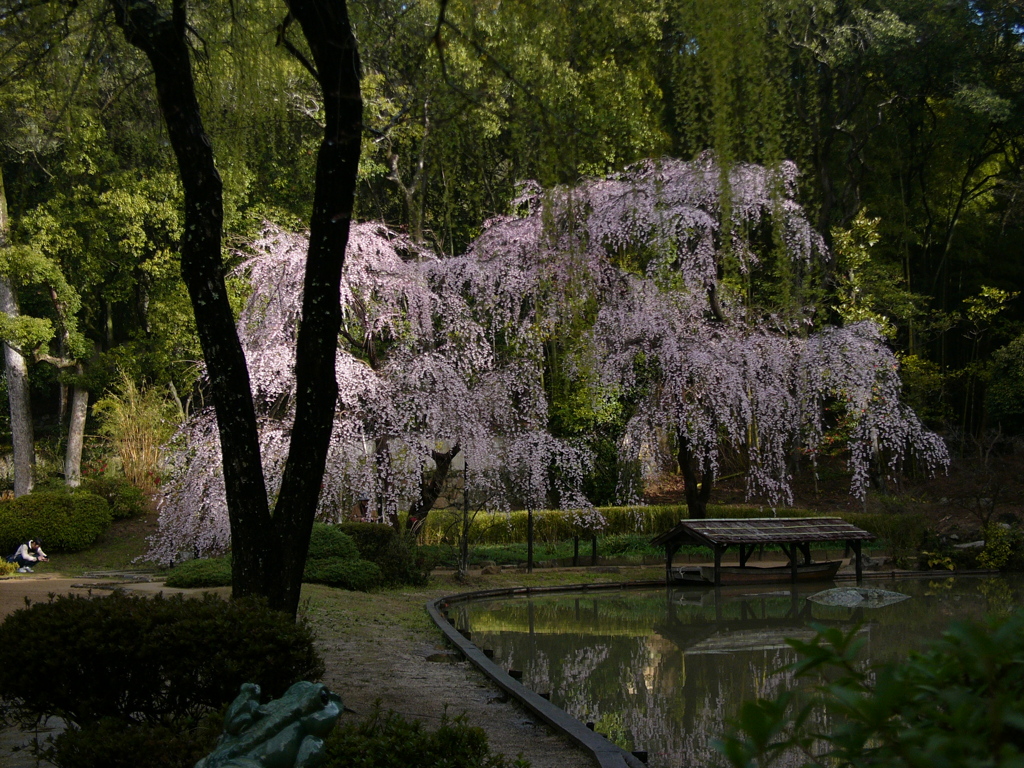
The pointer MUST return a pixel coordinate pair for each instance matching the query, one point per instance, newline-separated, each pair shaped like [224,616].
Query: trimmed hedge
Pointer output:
[355,575]
[552,526]
[372,539]
[331,541]
[166,660]
[206,572]
[333,560]
[64,521]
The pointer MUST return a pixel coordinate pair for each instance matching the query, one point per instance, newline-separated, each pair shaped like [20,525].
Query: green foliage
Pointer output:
[64,521]
[959,703]
[125,500]
[1004,395]
[395,553]
[334,559]
[205,572]
[146,660]
[138,421]
[387,740]
[1004,547]
[330,541]
[372,539]
[902,534]
[355,575]
[109,743]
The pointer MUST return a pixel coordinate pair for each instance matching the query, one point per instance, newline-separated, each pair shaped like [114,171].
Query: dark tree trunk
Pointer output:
[163,40]
[431,488]
[269,552]
[698,490]
[335,58]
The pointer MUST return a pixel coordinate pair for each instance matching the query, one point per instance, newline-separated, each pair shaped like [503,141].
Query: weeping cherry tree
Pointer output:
[422,378]
[698,278]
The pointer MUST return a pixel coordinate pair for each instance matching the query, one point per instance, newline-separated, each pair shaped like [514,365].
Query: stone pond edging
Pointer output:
[607,754]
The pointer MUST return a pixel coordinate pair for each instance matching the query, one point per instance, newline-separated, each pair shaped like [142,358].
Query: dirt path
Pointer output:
[377,647]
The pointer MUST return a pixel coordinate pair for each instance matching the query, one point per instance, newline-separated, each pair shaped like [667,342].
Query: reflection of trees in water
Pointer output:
[673,690]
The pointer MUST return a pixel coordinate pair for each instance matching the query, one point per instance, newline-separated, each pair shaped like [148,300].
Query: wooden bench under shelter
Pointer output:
[794,535]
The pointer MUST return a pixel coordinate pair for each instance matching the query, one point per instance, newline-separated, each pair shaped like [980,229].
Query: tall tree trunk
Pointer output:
[268,552]
[255,547]
[76,433]
[328,32]
[22,435]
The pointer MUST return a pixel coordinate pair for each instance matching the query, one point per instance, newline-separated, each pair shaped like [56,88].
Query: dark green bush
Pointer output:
[387,740]
[331,541]
[959,703]
[64,521]
[125,499]
[372,539]
[206,572]
[355,575]
[403,562]
[146,660]
[111,744]
[396,553]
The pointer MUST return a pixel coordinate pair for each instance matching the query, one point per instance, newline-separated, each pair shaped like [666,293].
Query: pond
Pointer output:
[663,669]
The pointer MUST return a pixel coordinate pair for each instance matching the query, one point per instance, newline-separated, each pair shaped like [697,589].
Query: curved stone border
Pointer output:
[607,754]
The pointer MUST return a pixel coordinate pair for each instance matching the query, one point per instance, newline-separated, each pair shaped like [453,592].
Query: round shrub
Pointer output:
[125,499]
[330,541]
[166,660]
[207,572]
[355,575]
[62,521]
[372,539]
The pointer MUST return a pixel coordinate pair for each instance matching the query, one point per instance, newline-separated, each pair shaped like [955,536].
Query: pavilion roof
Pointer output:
[761,530]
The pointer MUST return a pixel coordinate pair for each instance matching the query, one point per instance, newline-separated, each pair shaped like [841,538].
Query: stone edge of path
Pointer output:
[605,753]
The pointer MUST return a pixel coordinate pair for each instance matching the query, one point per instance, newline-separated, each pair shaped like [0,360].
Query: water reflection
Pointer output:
[663,669]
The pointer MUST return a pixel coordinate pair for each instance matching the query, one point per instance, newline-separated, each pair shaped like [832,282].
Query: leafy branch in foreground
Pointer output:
[958,703]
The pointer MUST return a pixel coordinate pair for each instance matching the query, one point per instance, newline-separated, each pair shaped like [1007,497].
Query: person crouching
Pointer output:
[28,555]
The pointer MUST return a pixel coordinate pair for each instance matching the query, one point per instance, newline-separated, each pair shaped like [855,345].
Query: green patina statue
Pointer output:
[284,733]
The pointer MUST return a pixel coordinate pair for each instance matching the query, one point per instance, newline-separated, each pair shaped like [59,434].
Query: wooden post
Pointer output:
[593,550]
[575,550]
[859,565]
[719,550]
[529,540]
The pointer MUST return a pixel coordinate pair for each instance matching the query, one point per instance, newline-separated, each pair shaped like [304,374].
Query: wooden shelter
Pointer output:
[794,535]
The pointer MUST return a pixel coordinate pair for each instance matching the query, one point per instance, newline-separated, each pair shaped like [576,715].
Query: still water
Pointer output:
[662,670]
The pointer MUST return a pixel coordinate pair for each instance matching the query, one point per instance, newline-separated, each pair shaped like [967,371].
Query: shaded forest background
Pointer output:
[905,117]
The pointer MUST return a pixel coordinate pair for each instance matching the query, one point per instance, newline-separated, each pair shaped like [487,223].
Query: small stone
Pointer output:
[490,570]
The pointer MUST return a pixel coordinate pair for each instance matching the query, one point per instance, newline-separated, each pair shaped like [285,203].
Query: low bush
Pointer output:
[387,740]
[64,521]
[125,499]
[403,562]
[160,660]
[959,703]
[207,572]
[109,743]
[356,575]
[372,539]
[333,542]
